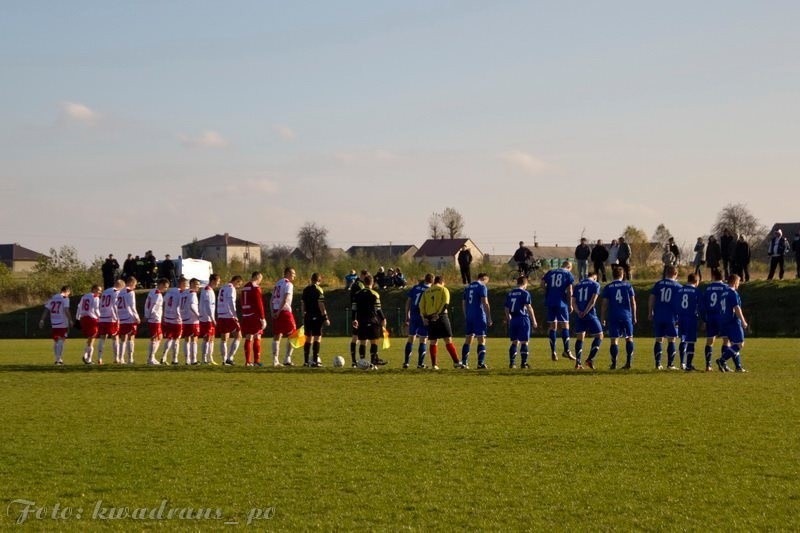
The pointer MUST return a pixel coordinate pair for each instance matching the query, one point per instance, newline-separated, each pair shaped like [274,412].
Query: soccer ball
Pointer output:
[364,363]
[338,361]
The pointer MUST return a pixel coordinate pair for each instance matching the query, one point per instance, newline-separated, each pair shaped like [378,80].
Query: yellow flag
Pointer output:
[298,338]
[386,343]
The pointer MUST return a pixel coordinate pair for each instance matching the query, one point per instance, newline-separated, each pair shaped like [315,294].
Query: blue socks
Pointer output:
[409,349]
[689,352]
[565,338]
[481,354]
[421,351]
[465,354]
[708,352]
[614,354]
[524,353]
[671,353]
[657,353]
[552,335]
[512,354]
[595,348]
[578,351]
[629,352]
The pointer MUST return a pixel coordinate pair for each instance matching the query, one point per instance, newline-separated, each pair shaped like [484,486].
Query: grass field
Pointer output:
[546,448]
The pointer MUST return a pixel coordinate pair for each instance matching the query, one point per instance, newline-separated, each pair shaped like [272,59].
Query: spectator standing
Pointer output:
[167,270]
[713,256]
[675,250]
[150,269]
[524,258]
[741,259]
[129,267]
[109,270]
[778,246]
[349,279]
[613,252]
[796,250]
[726,244]
[380,278]
[464,263]
[624,258]
[699,258]
[599,257]
[582,254]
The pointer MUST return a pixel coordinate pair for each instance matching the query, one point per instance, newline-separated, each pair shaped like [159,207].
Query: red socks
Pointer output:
[257,350]
[434,353]
[247,344]
[451,349]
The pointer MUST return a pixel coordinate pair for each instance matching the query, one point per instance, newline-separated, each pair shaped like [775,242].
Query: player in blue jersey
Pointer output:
[733,326]
[584,303]
[557,284]
[416,326]
[520,317]
[478,319]
[662,311]
[619,314]
[711,313]
[688,307]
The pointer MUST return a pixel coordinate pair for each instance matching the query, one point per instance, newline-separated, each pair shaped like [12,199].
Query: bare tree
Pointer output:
[278,254]
[435,228]
[312,240]
[737,219]
[453,222]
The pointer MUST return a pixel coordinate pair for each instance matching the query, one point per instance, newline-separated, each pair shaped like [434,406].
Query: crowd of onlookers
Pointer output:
[146,269]
[383,279]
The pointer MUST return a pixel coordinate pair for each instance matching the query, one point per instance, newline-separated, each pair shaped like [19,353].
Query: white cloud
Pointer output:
[285,132]
[530,164]
[207,139]
[78,112]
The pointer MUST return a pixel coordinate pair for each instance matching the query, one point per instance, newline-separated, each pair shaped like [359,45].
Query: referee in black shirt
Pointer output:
[312,306]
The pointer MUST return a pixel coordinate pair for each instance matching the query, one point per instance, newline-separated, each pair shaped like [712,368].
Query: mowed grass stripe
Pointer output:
[345,449]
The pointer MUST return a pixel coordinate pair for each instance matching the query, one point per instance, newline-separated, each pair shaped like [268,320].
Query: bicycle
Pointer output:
[529,270]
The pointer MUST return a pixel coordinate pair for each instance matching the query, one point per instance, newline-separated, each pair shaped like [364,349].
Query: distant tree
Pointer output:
[278,254]
[737,219]
[661,235]
[65,259]
[640,247]
[436,229]
[312,240]
[193,250]
[453,222]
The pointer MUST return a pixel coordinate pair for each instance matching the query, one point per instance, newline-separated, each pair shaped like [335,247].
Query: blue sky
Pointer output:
[138,126]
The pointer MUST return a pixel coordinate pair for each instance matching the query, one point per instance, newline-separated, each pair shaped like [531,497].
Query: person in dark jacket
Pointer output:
[109,270]
[582,254]
[699,258]
[599,257]
[741,259]
[713,256]
[167,269]
[464,263]
[796,250]
[129,267]
[726,244]
[778,246]
[624,257]
[149,270]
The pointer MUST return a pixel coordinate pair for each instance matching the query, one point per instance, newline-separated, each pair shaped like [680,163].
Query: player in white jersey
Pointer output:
[282,317]
[88,315]
[108,325]
[190,319]
[128,320]
[60,320]
[227,321]
[208,320]
[171,322]
[153,311]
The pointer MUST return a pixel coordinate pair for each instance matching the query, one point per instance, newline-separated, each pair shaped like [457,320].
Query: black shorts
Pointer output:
[313,325]
[440,328]
[369,332]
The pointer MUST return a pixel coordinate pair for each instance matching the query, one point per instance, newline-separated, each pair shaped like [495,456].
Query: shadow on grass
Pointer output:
[302,371]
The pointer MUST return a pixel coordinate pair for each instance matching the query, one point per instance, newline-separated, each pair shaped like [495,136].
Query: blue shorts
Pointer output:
[417,327]
[734,332]
[476,326]
[713,326]
[665,329]
[620,327]
[589,324]
[519,328]
[558,313]
[687,327]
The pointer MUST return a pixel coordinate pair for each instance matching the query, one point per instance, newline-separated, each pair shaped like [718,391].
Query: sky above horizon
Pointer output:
[142,125]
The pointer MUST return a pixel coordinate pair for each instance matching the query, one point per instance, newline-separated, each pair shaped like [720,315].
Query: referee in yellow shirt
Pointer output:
[433,308]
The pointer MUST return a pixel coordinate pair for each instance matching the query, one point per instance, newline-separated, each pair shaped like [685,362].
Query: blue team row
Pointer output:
[673,308]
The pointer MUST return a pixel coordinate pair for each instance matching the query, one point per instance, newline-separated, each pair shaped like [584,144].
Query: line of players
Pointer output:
[674,309]
[190,314]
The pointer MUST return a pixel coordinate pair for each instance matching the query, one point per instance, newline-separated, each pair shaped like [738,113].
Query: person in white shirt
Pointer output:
[153,311]
[282,318]
[208,321]
[60,320]
[108,325]
[190,320]
[227,321]
[171,321]
[128,320]
[87,316]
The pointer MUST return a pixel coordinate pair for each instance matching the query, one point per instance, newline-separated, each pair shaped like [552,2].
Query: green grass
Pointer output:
[393,449]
